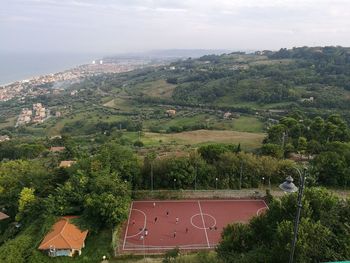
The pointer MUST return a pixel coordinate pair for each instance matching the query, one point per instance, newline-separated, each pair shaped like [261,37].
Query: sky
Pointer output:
[118,26]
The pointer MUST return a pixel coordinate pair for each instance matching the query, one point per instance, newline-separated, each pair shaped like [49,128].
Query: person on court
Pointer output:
[154,204]
[186,230]
[155,219]
[146,232]
[177,220]
[174,234]
[133,222]
[167,213]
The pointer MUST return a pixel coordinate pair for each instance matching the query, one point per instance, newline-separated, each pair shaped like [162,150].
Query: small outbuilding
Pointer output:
[65,239]
[57,149]
[66,164]
[170,113]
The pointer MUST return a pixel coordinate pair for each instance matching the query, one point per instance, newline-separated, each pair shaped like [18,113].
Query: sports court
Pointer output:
[156,226]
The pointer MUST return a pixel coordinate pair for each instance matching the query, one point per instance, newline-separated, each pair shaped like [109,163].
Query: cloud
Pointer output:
[111,25]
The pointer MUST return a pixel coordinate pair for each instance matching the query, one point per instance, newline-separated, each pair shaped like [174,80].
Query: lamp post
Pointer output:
[263,181]
[174,182]
[240,176]
[289,187]
[144,248]
[216,183]
[195,178]
[152,175]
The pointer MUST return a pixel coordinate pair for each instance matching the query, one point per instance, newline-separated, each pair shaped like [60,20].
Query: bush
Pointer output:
[138,144]
[171,255]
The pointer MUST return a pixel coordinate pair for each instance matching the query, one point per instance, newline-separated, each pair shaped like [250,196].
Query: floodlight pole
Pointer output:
[241,175]
[297,219]
[151,175]
[195,177]
[144,248]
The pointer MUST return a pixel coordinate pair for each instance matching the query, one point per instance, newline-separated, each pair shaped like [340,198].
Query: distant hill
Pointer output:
[263,85]
[171,53]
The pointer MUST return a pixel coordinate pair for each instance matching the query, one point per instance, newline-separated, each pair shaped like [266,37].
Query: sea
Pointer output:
[21,66]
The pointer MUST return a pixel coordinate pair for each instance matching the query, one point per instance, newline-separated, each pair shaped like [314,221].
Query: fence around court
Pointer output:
[202,194]
[251,193]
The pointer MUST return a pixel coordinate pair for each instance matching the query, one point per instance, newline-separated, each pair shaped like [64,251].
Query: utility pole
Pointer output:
[297,219]
[240,176]
[151,156]
[152,175]
[195,177]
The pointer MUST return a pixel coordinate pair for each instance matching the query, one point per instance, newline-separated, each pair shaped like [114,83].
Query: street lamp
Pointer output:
[289,187]
[144,248]
[174,182]
[216,183]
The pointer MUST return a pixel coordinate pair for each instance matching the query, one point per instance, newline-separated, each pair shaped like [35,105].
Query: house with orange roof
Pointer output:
[64,239]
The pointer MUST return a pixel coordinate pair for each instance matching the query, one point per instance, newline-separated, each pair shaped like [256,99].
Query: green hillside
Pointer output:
[255,88]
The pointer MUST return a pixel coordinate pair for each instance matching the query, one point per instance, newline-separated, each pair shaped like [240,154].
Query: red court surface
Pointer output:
[203,219]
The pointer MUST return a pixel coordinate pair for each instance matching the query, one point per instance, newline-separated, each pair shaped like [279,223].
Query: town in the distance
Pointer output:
[55,82]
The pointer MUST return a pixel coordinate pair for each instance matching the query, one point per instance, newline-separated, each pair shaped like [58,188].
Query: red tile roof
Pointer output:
[3,216]
[64,235]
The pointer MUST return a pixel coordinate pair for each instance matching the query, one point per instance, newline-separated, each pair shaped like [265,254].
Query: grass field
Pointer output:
[89,116]
[247,140]
[242,124]
[159,88]
[246,124]
[10,122]
[227,101]
[119,103]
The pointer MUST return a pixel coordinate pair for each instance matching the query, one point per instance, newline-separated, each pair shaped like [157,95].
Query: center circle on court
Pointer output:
[208,219]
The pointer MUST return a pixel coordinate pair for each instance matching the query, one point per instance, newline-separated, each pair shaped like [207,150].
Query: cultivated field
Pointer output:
[246,139]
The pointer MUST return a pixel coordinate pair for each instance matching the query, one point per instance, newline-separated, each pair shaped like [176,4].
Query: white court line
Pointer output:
[144,224]
[206,234]
[202,227]
[266,207]
[202,200]
[260,209]
[150,246]
[127,226]
[167,248]
[266,204]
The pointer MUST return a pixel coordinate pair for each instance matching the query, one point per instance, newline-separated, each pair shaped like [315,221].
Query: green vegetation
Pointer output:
[327,142]
[245,119]
[323,234]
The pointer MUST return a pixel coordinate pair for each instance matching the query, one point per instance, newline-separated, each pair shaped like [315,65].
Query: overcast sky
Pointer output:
[113,26]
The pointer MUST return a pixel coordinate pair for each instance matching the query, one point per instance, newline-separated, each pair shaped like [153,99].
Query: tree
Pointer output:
[26,198]
[272,150]
[151,156]
[329,168]
[15,175]
[276,133]
[322,236]
[211,152]
[302,145]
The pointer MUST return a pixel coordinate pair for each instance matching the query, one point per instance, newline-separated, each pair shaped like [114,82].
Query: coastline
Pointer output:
[30,78]
[16,67]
